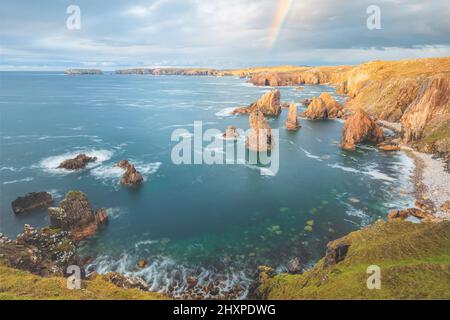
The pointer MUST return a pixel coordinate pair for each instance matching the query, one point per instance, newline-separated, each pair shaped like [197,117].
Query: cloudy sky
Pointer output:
[218,33]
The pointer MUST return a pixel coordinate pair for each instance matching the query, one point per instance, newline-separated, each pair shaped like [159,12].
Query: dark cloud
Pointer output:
[220,33]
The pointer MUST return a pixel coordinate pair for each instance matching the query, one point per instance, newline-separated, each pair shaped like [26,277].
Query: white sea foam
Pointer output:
[27,179]
[226,112]
[164,273]
[371,171]
[51,164]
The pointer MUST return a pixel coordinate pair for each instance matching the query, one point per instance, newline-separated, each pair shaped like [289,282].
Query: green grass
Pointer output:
[21,285]
[414,261]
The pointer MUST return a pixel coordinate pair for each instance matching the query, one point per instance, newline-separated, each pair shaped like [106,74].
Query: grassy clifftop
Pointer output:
[16,284]
[414,261]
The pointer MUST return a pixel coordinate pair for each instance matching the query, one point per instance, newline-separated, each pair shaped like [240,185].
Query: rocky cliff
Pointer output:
[269,104]
[413,92]
[413,260]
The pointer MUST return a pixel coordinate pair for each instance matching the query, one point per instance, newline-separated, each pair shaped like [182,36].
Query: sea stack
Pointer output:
[292,119]
[32,201]
[231,133]
[260,137]
[323,107]
[359,127]
[269,104]
[76,215]
[131,177]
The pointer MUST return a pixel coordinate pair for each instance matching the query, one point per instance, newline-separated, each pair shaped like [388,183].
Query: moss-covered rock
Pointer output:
[414,260]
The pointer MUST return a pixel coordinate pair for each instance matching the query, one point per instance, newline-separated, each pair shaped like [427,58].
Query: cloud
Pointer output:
[219,33]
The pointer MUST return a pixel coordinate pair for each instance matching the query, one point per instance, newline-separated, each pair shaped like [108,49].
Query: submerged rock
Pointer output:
[269,104]
[259,138]
[32,201]
[292,122]
[231,133]
[75,214]
[77,163]
[359,127]
[323,107]
[131,177]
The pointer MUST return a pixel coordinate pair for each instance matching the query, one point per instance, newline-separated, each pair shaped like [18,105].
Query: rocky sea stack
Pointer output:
[231,133]
[322,107]
[131,177]
[269,104]
[76,215]
[260,137]
[292,122]
[359,127]
[77,163]
[32,201]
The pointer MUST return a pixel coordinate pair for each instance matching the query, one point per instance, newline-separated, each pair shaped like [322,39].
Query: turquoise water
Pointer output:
[214,222]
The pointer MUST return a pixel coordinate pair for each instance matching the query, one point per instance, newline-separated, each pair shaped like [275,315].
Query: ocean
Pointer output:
[204,229]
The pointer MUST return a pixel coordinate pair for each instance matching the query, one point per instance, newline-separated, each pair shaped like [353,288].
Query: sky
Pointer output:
[223,34]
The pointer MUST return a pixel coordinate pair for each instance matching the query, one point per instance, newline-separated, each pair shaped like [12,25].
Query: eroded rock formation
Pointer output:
[269,104]
[131,177]
[292,122]
[77,163]
[259,138]
[76,215]
[32,201]
[359,127]
[323,107]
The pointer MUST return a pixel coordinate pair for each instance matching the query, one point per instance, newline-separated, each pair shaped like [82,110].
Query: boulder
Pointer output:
[323,107]
[32,201]
[231,133]
[75,214]
[269,104]
[259,138]
[131,177]
[388,147]
[77,163]
[359,127]
[294,266]
[292,122]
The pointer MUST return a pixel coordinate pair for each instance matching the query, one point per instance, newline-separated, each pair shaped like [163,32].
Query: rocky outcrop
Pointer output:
[231,133]
[259,138]
[358,128]
[269,104]
[411,212]
[131,177]
[294,266]
[336,252]
[124,282]
[44,252]
[323,107]
[77,163]
[76,215]
[32,201]
[388,146]
[292,122]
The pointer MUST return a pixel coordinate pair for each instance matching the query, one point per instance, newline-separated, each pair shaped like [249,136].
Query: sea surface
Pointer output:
[211,223]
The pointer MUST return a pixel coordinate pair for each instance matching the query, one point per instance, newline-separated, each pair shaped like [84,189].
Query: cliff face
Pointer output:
[413,92]
[269,104]
[359,127]
[413,259]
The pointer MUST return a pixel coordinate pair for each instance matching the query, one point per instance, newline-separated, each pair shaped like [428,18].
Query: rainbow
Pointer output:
[278,21]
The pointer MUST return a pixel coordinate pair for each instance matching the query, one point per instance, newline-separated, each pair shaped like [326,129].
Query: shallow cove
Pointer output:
[203,229]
